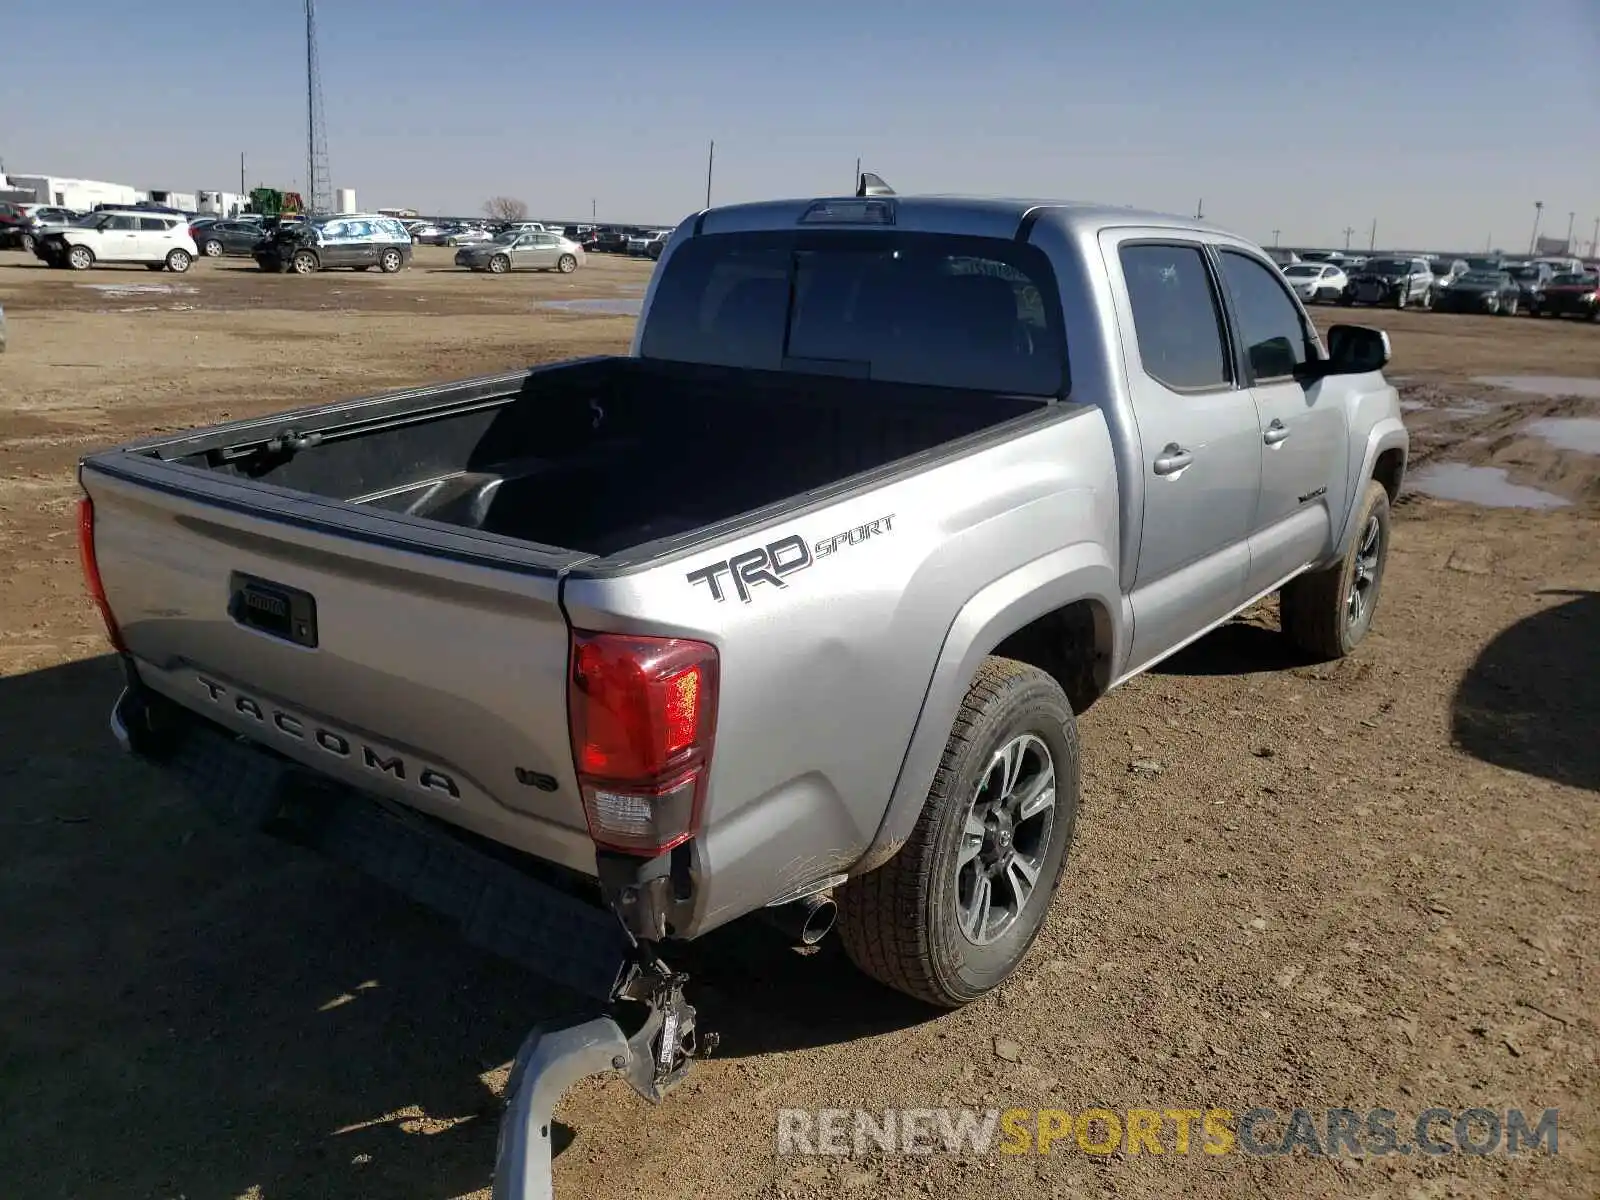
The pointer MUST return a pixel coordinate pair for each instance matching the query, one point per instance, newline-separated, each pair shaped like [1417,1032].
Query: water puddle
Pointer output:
[1487,486]
[622,307]
[1545,385]
[120,290]
[1568,433]
[1463,406]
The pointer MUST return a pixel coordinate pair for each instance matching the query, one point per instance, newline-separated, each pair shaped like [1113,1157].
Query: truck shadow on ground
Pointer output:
[1241,647]
[1531,700]
[212,1010]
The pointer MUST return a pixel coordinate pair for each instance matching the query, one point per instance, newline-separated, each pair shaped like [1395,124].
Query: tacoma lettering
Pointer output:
[330,741]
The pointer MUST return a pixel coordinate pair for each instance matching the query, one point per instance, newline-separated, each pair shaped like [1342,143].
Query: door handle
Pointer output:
[1173,459]
[1276,432]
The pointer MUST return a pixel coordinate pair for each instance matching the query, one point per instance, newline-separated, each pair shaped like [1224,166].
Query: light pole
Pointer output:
[594,207]
[711,158]
[1570,217]
[1274,239]
[1348,230]
[1538,211]
[1372,238]
[1594,239]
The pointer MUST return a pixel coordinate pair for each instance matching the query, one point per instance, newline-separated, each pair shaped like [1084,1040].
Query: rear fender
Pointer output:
[1082,571]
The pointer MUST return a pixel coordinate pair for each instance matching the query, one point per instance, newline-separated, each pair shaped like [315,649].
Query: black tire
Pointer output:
[1347,301]
[1426,303]
[1318,611]
[567,264]
[1510,307]
[391,261]
[212,248]
[178,261]
[27,243]
[304,263]
[901,924]
[80,258]
[499,264]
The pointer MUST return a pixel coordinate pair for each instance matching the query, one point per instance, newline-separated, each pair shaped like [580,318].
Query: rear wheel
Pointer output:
[80,258]
[391,261]
[952,915]
[212,248]
[1329,612]
[178,261]
[27,243]
[566,264]
[304,262]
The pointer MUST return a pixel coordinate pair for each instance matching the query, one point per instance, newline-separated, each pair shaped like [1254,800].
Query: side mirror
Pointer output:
[1356,349]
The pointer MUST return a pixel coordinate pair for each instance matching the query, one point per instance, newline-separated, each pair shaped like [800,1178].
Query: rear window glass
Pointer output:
[930,309]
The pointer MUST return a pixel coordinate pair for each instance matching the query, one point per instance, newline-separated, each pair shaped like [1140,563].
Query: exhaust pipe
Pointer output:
[806,921]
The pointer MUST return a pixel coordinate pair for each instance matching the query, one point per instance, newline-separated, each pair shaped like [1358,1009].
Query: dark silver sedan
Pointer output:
[518,251]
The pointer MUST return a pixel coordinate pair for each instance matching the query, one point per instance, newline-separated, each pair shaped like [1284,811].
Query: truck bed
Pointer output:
[600,456]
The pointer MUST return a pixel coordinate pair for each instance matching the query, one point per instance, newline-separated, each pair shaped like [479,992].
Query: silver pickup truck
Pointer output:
[796,604]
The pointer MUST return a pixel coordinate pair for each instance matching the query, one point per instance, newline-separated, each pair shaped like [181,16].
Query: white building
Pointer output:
[81,194]
[344,200]
[221,204]
[181,200]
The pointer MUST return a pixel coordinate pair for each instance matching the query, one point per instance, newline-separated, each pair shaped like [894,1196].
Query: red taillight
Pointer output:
[642,713]
[91,571]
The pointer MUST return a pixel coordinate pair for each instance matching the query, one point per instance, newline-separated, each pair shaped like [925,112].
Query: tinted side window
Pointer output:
[1175,316]
[1269,321]
[120,223]
[152,224]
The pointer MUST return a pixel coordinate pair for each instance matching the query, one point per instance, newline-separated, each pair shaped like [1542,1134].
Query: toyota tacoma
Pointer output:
[795,605]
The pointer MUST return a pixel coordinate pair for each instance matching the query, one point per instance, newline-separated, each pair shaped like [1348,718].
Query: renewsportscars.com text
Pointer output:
[1263,1132]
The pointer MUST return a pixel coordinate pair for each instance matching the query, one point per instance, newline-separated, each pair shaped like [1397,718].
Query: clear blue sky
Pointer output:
[1443,119]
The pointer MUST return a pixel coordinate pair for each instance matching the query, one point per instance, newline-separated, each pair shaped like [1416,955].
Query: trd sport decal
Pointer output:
[772,562]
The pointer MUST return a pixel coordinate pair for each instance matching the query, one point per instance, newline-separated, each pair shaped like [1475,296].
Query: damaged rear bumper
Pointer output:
[642,1027]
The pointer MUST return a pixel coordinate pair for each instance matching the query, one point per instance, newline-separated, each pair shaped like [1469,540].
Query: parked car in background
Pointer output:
[35,221]
[12,224]
[238,238]
[1572,294]
[1561,264]
[1531,278]
[1480,291]
[353,240]
[1316,282]
[613,239]
[432,235]
[649,243]
[154,239]
[517,251]
[468,235]
[1282,257]
[1447,270]
[1492,262]
[1397,281]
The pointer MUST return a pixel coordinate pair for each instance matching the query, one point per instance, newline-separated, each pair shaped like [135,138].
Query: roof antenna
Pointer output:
[873,185]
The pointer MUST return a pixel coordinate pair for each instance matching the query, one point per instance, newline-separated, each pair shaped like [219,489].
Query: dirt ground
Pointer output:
[1370,885]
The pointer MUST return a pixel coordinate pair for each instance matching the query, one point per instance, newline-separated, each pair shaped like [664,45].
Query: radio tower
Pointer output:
[319,187]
